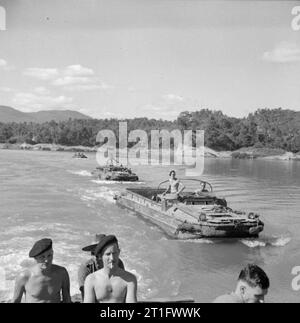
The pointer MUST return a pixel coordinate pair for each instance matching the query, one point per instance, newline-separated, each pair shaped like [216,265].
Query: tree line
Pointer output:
[270,128]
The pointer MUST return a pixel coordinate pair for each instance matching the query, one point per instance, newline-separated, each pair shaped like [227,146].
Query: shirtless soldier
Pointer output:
[252,287]
[111,284]
[91,265]
[44,282]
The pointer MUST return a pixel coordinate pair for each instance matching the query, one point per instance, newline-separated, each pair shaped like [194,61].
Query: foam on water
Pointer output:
[280,242]
[81,173]
[163,238]
[98,181]
[145,283]
[37,228]
[176,287]
[253,243]
[10,264]
[207,241]
[274,241]
[100,193]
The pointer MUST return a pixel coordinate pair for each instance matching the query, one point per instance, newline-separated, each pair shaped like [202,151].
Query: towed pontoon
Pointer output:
[195,214]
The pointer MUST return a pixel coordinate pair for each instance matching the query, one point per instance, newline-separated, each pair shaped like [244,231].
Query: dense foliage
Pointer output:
[275,128]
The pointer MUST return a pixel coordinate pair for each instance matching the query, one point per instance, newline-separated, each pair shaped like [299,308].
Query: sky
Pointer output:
[150,58]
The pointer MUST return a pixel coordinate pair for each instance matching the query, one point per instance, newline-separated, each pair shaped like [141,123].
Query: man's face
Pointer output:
[45,259]
[110,256]
[253,294]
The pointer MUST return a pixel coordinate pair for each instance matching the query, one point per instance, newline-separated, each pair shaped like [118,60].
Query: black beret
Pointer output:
[92,247]
[107,240]
[39,247]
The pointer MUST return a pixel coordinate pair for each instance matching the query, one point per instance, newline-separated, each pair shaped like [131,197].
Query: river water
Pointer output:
[50,194]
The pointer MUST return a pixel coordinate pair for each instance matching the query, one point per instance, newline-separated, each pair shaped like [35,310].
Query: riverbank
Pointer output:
[243,153]
[47,147]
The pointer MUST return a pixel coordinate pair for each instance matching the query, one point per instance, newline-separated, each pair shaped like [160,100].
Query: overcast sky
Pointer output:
[152,58]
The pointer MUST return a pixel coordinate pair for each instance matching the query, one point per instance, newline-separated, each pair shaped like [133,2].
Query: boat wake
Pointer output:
[98,181]
[253,243]
[266,242]
[81,173]
[10,267]
[101,193]
[202,240]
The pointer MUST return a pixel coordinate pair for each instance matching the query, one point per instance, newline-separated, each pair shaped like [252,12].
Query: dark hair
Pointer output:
[254,276]
[172,171]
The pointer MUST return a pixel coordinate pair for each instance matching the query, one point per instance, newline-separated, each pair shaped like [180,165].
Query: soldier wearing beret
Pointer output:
[111,284]
[44,282]
[91,265]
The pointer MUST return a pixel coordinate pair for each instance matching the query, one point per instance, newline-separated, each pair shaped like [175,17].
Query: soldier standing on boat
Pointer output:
[173,190]
[175,186]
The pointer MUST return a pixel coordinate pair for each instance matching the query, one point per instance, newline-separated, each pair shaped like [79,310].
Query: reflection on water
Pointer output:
[49,194]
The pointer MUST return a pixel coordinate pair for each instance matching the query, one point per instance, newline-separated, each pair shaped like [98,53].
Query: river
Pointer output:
[51,194]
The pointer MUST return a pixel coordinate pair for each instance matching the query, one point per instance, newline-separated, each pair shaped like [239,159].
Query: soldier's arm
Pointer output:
[82,273]
[89,292]
[66,298]
[181,187]
[131,290]
[19,289]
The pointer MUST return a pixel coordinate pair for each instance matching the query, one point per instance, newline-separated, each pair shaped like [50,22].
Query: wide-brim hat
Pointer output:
[93,246]
[105,242]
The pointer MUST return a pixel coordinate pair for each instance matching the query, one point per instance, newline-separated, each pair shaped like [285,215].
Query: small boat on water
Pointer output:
[79,155]
[194,214]
[114,171]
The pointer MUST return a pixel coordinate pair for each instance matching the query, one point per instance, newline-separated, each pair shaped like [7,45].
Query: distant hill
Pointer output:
[8,114]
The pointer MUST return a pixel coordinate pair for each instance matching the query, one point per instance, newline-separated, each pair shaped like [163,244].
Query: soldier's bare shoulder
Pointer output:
[58,269]
[24,275]
[93,276]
